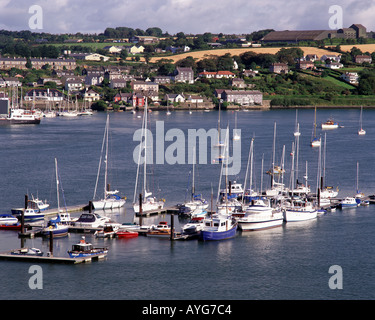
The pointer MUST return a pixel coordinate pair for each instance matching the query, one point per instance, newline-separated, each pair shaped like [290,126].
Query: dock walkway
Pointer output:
[49,259]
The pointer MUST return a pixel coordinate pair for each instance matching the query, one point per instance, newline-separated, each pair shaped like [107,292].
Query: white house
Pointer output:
[351,77]
[172,97]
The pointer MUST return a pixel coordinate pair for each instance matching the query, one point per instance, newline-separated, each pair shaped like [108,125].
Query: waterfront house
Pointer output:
[44,95]
[173,97]
[122,96]
[242,97]
[91,95]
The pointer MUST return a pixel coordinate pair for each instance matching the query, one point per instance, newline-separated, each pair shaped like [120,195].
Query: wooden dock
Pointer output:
[49,259]
[165,210]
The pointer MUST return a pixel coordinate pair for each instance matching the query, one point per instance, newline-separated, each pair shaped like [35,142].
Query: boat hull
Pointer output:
[299,215]
[126,234]
[58,232]
[260,225]
[212,235]
[95,252]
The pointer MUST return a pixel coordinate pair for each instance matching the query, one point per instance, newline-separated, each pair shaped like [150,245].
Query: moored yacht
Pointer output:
[260,216]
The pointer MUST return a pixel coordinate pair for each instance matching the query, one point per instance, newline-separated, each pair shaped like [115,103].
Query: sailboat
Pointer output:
[149,202]
[196,206]
[361,131]
[297,133]
[236,135]
[111,199]
[56,226]
[222,225]
[259,215]
[315,142]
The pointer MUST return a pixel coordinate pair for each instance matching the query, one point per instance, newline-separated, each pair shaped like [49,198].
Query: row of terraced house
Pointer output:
[37,63]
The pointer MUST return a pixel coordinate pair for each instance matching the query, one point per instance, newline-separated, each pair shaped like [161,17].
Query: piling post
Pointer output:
[140,209]
[90,206]
[172,226]
[51,243]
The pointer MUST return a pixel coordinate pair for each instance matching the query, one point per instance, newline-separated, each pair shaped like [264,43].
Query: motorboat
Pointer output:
[8,220]
[330,124]
[31,215]
[91,220]
[348,202]
[299,210]
[21,116]
[260,216]
[125,234]
[161,230]
[86,249]
[27,252]
[108,231]
[35,203]
[218,227]
[234,190]
[193,227]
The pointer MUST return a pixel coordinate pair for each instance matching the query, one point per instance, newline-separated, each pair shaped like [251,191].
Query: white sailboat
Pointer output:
[297,133]
[315,142]
[148,201]
[111,199]
[361,131]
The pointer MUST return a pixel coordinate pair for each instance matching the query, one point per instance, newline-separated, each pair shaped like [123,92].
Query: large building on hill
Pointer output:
[355,31]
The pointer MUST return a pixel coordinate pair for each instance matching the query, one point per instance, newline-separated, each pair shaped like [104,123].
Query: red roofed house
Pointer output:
[217,75]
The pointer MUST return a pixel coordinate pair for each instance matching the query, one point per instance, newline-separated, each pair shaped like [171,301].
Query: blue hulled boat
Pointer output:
[219,228]
[86,249]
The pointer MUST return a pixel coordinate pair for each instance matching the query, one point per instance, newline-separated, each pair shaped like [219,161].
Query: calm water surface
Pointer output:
[290,262]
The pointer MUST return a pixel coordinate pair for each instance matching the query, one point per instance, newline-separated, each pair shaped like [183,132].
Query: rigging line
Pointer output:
[101,156]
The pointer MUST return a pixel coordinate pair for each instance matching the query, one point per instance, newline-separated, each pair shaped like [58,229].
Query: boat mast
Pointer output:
[145,153]
[57,187]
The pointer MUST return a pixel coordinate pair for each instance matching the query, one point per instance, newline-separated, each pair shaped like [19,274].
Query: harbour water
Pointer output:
[289,262]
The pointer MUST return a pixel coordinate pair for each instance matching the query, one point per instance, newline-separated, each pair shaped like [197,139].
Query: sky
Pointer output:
[188,16]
